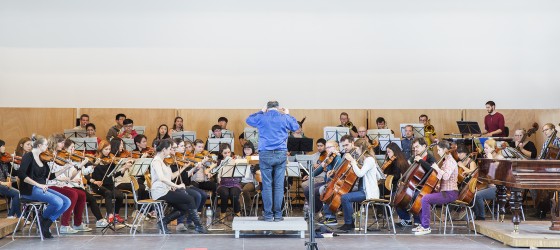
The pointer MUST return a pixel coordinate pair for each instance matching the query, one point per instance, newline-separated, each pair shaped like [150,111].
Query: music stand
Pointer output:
[300,144]
[305,161]
[226,133]
[469,128]
[376,134]
[129,144]
[87,144]
[75,133]
[417,128]
[184,135]
[335,133]
[140,129]
[384,142]
[231,170]
[140,166]
[214,144]
[252,134]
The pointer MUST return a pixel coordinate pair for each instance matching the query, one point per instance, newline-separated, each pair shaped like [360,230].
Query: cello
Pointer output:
[412,178]
[428,186]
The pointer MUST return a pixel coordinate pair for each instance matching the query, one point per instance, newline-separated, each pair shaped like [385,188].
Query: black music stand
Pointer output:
[75,133]
[113,225]
[229,170]
[469,128]
[300,144]
[252,134]
[87,144]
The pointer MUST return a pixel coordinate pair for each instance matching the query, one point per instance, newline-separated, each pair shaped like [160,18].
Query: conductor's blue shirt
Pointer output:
[273,129]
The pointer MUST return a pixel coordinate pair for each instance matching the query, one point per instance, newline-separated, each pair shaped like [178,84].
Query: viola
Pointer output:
[388,163]
[6,158]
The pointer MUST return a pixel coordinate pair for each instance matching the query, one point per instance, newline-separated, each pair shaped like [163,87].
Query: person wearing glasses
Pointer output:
[549,130]
[527,147]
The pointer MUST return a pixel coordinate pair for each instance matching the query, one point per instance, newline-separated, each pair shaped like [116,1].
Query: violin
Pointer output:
[204,154]
[79,156]
[388,163]
[6,158]
[110,159]
[187,157]
[150,151]
[17,160]
[328,160]
[61,158]
[126,154]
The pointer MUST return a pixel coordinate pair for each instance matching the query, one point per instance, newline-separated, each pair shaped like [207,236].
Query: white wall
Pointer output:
[306,54]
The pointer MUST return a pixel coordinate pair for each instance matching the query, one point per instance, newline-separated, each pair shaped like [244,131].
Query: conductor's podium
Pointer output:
[253,224]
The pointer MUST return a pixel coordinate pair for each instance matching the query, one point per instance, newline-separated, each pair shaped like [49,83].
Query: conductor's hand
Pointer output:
[264,109]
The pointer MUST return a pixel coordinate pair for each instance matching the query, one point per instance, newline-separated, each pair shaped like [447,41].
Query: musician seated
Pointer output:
[367,184]
[229,188]
[549,130]
[318,157]
[60,181]
[345,122]
[466,164]
[115,130]
[6,188]
[104,185]
[397,168]
[425,159]
[200,179]
[448,190]
[128,130]
[489,193]
[297,134]
[24,146]
[91,133]
[216,133]
[163,133]
[332,155]
[524,146]
[248,183]
[84,120]
[223,121]
[177,125]
[407,141]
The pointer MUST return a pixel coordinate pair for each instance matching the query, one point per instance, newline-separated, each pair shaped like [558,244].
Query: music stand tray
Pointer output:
[184,135]
[140,166]
[469,128]
[88,143]
[226,133]
[335,133]
[300,144]
[252,134]
[75,133]
[384,142]
[292,169]
[129,144]
[214,144]
[417,128]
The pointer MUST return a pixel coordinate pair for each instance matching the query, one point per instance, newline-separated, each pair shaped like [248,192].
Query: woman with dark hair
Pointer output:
[229,188]
[24,146]
[177,125]
[33,175]
[248,186]
[104,185]
[163,188]
[398,166]
[163,133]
[6,188]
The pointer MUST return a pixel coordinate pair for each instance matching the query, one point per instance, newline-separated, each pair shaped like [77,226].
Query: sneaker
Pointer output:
[404,223]
[347,227]
[422,231]
[278,219]
[67,230]
[461,215]
[329,222]
[417,228]
[181,227]
[11,217]
[111,219]
[82,228]
[152,214]
[101,223]
[119,219]
[261,218]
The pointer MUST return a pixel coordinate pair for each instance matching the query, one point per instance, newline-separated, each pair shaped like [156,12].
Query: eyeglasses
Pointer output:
[546,129]
[330,147]
[518,135]
[345,145]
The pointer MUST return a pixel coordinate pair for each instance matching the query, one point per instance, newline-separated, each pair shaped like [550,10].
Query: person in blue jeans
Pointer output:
[273,124]
[6,188]
[33,172]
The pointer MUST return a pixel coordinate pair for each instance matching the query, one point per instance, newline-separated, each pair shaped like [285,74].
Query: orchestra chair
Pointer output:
[384,202]
[98,198]
[145,207]
[464,205]
[33,209]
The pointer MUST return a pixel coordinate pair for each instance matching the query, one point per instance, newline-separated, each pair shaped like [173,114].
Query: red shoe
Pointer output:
[119,219]
[110,219]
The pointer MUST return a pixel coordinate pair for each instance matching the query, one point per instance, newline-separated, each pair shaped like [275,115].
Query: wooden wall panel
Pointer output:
[23,122]
[104,118]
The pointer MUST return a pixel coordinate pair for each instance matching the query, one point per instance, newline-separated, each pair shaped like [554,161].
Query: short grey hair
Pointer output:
[272,104]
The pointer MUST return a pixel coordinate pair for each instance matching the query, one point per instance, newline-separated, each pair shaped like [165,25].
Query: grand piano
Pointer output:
[522,174]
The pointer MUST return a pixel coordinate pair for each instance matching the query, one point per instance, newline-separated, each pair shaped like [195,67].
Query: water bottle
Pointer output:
[209,214]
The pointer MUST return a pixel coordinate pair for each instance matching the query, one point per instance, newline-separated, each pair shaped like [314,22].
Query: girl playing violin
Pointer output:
[200,179]
[104,185]
[465,163]
[200,196]
[33,173]
[448,187]
[163,188]
[122,182]
[23,146]
[62,183]
[229,187]
[6,188]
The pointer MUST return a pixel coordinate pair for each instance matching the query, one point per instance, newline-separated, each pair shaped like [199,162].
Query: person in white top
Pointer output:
[163,188]
[367,184]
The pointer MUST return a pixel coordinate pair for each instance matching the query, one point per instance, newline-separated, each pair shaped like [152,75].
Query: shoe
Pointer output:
[152,214]
[45,227]
[347,227]
[119,218]
[238,214]
[422,231]
[261,218]
[11,217]
[417,228]
[404,223]
[165,221]
[181,228]
[278,219]
[101,223]
[479,218]
[329,222]
[461,215]
[82,228]
[111,219]
[67,230]
[193,216]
